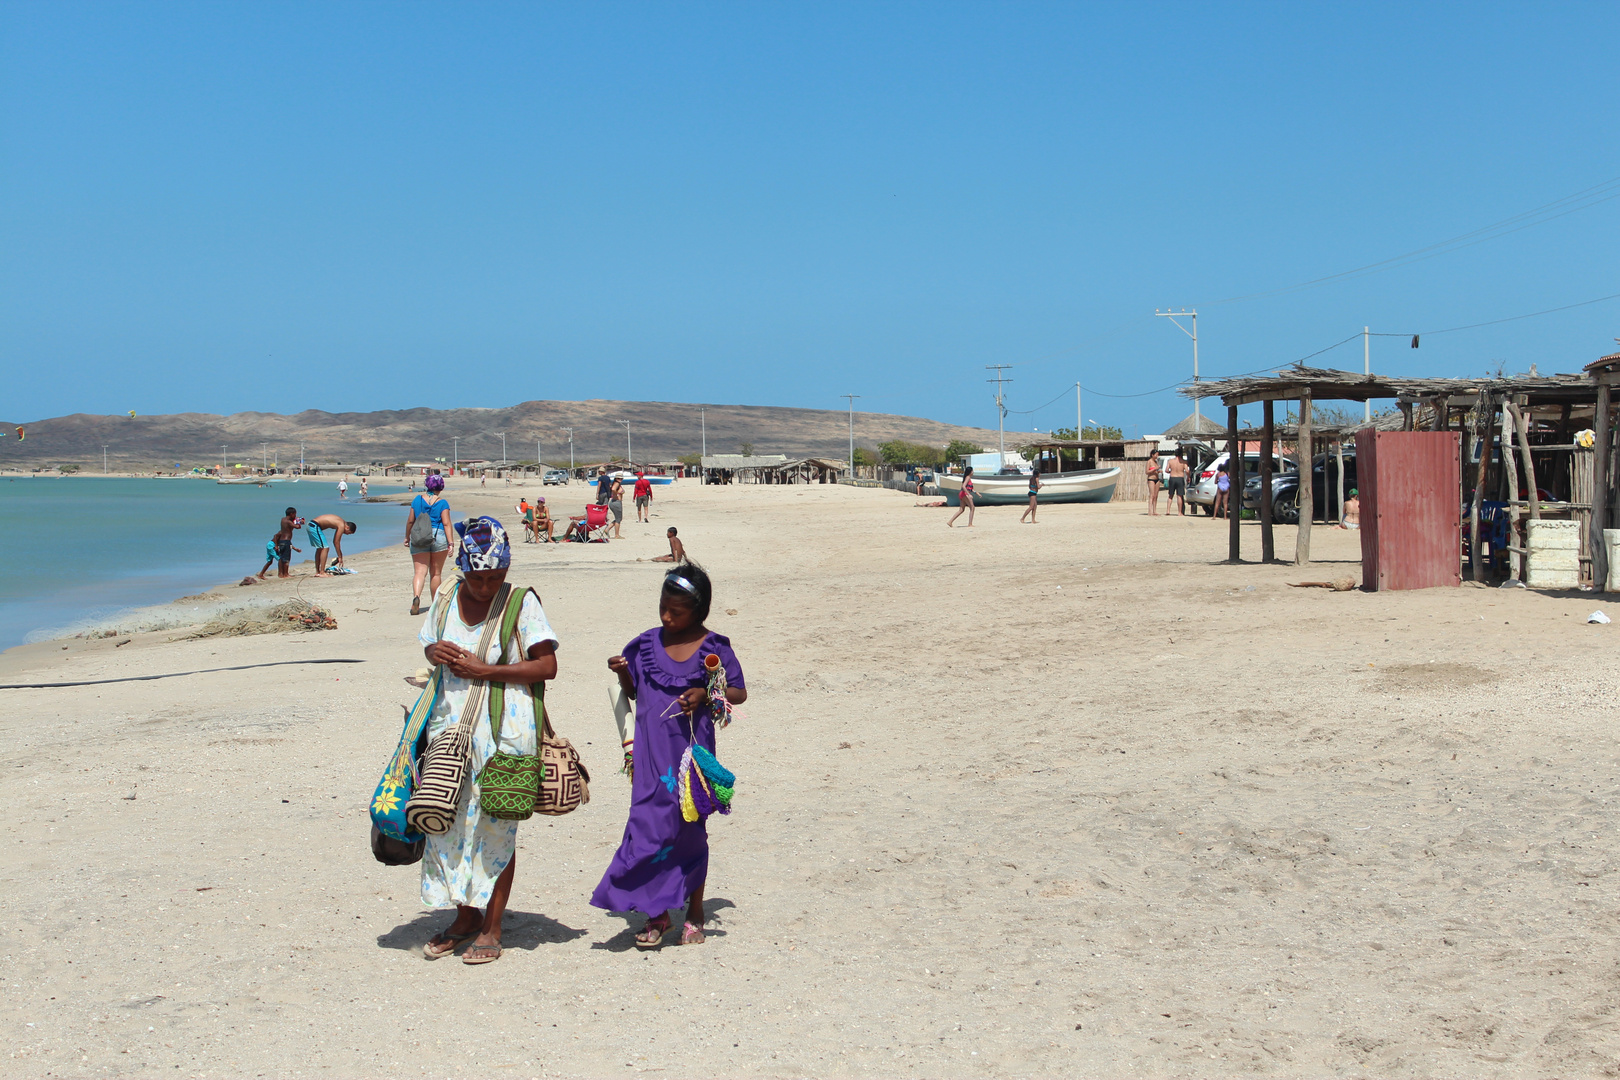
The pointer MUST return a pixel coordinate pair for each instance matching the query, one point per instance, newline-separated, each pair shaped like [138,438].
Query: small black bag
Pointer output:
[391,852]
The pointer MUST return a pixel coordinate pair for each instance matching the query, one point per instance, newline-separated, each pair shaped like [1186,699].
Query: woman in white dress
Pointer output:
[470,867]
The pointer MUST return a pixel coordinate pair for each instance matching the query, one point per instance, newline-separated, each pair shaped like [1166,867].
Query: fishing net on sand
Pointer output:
[292,616]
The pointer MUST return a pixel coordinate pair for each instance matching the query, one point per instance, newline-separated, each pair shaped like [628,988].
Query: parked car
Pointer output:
[1201,489]
[1324,490]
[554,476]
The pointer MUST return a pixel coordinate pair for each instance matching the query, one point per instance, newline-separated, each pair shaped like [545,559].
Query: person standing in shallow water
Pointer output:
[663,860]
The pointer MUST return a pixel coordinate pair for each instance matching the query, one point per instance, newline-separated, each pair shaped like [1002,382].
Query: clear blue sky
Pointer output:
[223,207]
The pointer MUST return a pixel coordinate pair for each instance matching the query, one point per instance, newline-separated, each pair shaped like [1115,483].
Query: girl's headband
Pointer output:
[676,581]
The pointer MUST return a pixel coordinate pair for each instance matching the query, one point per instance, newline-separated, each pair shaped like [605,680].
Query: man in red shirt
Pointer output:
[643,498]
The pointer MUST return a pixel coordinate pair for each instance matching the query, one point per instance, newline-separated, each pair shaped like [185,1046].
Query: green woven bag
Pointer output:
[509,785]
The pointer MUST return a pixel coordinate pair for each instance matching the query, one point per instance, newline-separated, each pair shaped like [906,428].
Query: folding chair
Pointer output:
[596,523]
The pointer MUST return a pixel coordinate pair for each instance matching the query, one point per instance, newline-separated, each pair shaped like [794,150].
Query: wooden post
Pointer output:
[1442,414]
[1522,426]
[1406,416]
[1600,490]
[1511,469]
[1338,445]
[1268,444]
[1307,508]
[1234,492]
[1482,443]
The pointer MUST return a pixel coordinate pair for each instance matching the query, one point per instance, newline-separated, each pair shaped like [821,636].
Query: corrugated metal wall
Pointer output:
[1410,485]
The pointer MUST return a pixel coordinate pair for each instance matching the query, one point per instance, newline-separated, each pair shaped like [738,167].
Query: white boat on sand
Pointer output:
[1012,489]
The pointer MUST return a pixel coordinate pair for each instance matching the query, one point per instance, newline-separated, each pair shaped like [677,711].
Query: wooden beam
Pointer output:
[1302,539]
[1523,428]
[1600,490]
[1482,444]
[1406,416]
[1511,469]
[1442,414]
[1268,447]
[1234,489]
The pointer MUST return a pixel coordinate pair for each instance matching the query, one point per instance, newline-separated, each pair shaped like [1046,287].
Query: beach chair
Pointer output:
[596,523]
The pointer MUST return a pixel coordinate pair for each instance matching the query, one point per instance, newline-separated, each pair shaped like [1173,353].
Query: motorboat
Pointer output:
[1012,488]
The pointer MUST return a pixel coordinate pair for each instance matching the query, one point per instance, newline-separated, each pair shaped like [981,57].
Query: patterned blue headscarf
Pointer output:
[483,545]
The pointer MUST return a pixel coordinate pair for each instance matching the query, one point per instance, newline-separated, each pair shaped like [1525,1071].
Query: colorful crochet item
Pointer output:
[717,690]
[705,784]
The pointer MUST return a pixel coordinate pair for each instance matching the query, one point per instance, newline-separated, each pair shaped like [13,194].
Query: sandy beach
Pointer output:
[1067,799]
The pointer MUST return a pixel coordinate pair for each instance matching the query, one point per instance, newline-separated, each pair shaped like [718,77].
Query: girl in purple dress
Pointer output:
[663,860]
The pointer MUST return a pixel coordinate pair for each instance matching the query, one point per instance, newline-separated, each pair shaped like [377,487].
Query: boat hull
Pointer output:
[1084,486]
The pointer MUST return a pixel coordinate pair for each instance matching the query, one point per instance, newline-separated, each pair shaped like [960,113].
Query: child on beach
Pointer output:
[663,860]
[279,548]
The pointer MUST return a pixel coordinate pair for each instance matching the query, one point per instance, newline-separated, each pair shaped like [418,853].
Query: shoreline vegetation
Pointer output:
[1044,794]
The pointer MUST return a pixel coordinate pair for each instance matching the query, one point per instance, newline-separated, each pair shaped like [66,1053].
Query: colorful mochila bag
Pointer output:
[442,778]
[399,778]
[509,784]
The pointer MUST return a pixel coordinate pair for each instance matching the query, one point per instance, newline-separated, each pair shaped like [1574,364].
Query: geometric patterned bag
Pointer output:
[399,778]
[553,783]
[432,806]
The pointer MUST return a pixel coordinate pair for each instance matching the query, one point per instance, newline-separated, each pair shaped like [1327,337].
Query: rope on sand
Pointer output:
[170,675]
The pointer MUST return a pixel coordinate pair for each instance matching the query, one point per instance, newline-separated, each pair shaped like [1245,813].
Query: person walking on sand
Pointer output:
[964,499]
[1153,482]
[663,859]
[429,541]
[643,498]
[1176,491]
[1034,487]
[327,531]
[677,550]
[616,507]
[604,484]
[1223,493]
[471,866]
[280,547]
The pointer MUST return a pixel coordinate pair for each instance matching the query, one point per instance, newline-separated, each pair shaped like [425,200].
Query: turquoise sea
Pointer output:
[75,551]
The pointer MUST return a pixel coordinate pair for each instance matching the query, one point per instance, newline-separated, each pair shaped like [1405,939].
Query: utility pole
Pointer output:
[104,460]
[1079,431]
[1001,407]
[1366,369]
[627,458]
[264,457]
[455,453]
[222,460]
[1193,333]
[502,434]
[703,422]
[570,452]
[852,398]
[300,459]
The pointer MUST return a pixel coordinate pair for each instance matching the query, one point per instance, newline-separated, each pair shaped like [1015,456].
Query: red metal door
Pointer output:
[1410,485]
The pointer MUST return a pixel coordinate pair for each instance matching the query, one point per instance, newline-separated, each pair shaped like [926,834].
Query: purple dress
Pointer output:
[662,858]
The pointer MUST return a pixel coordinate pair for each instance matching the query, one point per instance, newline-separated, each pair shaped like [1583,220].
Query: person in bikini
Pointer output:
[1153,482]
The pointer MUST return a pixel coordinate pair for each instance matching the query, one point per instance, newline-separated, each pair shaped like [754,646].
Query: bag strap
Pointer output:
[497,690]
[475,698]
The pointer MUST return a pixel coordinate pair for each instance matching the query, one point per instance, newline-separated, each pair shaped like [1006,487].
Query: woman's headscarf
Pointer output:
[434,482]
[483,545]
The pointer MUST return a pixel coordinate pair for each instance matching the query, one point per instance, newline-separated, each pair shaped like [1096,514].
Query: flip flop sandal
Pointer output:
[416,605]
[691,934]
[481,954]
[661,925]
[446,944]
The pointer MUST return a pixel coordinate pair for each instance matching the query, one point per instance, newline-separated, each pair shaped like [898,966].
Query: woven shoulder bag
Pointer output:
[432,807]
[514,786]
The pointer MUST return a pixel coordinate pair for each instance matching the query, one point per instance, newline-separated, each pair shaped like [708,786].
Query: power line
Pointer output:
[1493,322]
[1569,204]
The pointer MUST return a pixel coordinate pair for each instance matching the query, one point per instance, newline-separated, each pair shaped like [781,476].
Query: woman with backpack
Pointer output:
[427,535]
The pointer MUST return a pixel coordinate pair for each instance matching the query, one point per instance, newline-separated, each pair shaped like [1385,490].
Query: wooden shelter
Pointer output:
[1503,411]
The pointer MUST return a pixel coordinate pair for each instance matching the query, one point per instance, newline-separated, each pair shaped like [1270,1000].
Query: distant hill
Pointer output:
[658,431]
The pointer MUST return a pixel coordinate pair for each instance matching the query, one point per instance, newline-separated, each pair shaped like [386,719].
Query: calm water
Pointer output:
[74,551]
